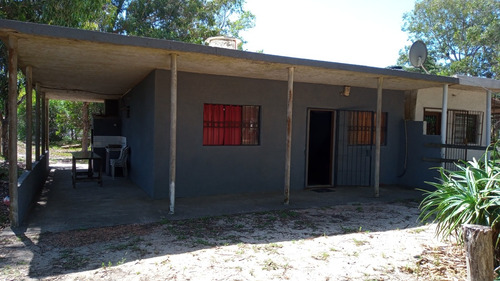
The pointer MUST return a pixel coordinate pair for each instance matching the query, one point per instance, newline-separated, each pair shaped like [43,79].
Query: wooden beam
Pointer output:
[42,119]
[378,133]
[173,129]
[12,107]
[37,122]
[46,121]
[289,118]
[29,117]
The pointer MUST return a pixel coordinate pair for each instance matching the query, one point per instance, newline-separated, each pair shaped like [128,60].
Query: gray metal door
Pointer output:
[354,139]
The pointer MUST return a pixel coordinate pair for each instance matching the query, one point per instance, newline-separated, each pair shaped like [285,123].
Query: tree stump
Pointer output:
[478,241]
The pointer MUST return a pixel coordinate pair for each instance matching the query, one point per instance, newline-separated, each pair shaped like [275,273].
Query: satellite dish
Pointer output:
[418,54]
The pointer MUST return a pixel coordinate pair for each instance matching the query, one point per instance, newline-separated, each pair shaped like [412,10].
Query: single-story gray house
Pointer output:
[203,120]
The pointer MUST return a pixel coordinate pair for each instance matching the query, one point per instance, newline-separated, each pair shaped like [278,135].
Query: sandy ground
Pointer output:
[347,242]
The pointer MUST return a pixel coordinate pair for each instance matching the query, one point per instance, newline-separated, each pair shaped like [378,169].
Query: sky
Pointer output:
[363,32]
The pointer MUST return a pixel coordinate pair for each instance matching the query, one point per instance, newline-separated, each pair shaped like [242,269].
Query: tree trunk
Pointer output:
[86,126]
[479,252]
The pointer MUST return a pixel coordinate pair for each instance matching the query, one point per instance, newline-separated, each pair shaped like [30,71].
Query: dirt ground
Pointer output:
[343,242]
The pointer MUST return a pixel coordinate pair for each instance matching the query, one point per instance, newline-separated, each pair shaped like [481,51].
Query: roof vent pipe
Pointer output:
[223,42]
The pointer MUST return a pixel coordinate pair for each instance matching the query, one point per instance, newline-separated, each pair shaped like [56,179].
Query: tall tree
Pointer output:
[85,14]
[183,20]
[462,36]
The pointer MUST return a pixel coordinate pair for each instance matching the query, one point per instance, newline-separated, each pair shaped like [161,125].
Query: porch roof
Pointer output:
[86,65]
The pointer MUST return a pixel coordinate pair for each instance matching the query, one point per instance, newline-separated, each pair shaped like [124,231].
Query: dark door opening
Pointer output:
[320,148]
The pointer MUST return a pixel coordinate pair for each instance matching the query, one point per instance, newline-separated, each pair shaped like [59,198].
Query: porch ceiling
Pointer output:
[85,65]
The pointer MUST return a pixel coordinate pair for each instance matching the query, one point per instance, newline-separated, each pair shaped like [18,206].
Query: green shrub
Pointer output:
[469,195]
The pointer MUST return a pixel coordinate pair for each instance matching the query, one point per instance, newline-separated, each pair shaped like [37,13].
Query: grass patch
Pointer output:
[71,260]
[272,248]
[203,242]
[286,214]
[416,230]
[347,230]
[359,242]
[269,265]
[323,256]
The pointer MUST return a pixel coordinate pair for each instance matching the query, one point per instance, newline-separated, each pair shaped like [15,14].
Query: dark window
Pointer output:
[433,122]
[463,127]
[230,124]
[362,127]
[466,128]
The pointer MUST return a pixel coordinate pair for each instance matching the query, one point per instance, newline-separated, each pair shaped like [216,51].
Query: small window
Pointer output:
[463,127]
[362,127]
[230,124]
[432,119]
[466,128]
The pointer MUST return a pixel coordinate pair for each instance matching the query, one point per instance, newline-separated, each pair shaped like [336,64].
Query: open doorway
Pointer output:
[320,148]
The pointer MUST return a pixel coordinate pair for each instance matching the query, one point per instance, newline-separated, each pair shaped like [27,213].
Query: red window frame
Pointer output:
[230,124]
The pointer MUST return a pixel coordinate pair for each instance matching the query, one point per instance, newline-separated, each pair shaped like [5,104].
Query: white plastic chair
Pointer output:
[120,162]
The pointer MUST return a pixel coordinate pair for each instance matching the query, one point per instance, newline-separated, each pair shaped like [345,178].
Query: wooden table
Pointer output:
[88,174]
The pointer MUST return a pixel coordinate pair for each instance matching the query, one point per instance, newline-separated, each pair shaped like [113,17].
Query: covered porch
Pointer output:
[120,202]
[63,63]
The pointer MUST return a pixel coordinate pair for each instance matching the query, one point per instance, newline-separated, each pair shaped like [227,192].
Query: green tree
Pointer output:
[182,20]
[85,14]
[462,36]
[430,64]
[66,121]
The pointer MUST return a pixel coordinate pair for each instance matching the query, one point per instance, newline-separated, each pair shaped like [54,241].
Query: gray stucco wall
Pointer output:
[139,129]
[328,97]
[417,170]
[30,185]
[161,134]
[206,170]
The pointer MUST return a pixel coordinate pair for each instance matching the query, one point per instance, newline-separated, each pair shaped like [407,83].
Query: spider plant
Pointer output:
[469,195]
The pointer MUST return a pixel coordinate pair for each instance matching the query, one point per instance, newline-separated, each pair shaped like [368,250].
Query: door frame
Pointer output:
[332,147]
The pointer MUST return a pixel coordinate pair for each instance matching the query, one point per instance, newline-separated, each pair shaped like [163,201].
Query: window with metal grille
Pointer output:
[231,124]
[362,126]
[466,128]
[463,127]
[432,117]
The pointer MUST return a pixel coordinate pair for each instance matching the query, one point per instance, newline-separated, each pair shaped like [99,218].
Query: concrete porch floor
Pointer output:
[119,201]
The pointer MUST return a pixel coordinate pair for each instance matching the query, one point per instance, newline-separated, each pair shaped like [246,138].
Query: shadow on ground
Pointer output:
[73,230]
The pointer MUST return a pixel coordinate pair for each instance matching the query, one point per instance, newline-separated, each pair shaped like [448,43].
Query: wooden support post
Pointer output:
[42,119]
[288,151]
[12,106]
[29,117]
[478,241]
[378,133]
[37,122]
[46,121]
[173,128]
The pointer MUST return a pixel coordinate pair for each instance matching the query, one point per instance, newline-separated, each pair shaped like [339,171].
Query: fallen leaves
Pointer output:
[440,263]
